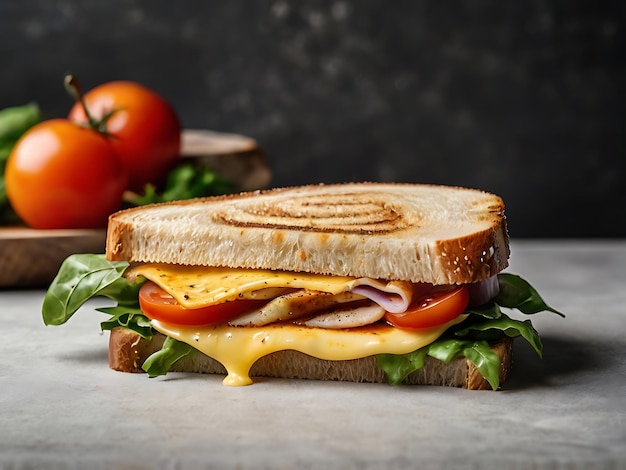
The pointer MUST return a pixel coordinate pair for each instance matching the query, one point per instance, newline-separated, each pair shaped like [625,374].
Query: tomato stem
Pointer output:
[72,85]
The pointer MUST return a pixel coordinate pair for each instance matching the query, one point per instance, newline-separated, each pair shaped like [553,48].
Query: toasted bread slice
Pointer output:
[128,351]
[418,233]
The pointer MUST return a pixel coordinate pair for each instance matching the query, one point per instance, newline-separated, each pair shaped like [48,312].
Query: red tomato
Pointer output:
[159,305]
[61,175]
[144,129]
[431,310]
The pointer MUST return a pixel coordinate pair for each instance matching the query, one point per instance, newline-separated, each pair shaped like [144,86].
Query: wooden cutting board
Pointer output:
[31,258]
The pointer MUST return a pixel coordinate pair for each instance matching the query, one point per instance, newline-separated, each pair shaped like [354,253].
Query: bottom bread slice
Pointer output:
[128,351]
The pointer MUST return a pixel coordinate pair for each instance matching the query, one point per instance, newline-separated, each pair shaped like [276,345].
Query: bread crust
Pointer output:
[418,233]
[128,351]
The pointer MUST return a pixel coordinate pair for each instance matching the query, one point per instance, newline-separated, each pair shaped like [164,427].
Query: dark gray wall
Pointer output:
[525,98]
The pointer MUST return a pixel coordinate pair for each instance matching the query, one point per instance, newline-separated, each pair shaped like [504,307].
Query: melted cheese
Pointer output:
[198,286]
[237,348]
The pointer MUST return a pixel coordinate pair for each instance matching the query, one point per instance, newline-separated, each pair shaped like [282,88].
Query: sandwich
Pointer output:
[361,282]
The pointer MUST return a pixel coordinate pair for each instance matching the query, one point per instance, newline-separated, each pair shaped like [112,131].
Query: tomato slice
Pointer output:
[433,309]
[157,304]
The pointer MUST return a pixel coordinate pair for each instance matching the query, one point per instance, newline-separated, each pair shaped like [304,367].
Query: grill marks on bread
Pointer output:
[325,212]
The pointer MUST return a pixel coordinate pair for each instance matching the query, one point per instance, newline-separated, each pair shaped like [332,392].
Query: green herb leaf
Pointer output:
[490,310]
[186,181]
[14,122]
[7,214]
[399,366]
[506,325]
[82,277]
[131,318]
[485,359]
[446,349]
[476,351]
[517,293]
[161,361]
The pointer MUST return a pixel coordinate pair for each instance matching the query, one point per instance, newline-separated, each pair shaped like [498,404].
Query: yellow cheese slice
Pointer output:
[237,348]
[198,286]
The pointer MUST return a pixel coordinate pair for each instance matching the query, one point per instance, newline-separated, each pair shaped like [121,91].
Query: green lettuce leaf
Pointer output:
[186,181]
[82,277]
[490,310]
[485,359]
[510,327]
[399,366]
[446,350]
[161,361]
[517,293]
[14,122]
[127,317]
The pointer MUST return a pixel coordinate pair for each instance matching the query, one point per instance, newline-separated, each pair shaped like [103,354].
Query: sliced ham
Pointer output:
[393,296]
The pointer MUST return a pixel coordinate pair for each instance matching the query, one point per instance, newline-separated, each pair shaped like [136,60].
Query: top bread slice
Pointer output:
[412,232]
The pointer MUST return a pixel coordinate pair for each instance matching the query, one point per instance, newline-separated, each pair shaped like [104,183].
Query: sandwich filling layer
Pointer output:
[476,311]
[248,297]
[199,286]
[327,317]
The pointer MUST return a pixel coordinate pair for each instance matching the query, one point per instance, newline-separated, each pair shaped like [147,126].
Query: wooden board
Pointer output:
[31,258]
[237,158]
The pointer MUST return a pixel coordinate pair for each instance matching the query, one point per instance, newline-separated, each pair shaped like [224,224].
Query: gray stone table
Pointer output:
[61,407]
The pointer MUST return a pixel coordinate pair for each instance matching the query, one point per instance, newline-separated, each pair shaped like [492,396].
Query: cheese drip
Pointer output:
[238,348]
